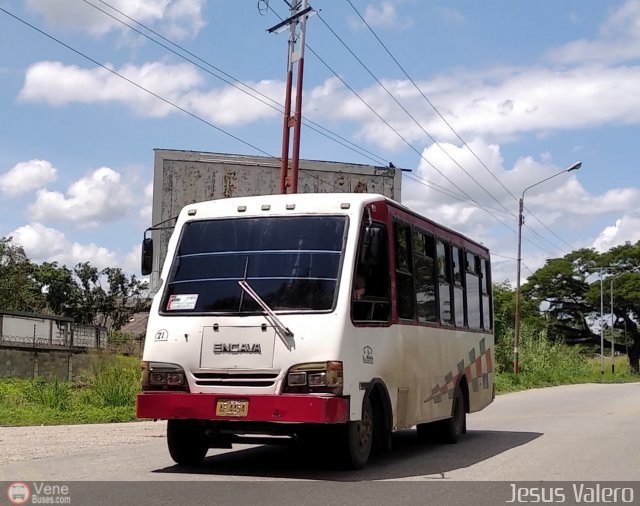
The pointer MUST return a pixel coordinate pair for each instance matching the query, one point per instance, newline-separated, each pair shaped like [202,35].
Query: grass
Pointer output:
[105,392]
[546,363]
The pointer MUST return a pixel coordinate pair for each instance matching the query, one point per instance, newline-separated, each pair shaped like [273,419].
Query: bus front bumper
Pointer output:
[258,408]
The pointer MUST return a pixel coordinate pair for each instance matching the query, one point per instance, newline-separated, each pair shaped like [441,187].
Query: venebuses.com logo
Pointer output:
[18,493]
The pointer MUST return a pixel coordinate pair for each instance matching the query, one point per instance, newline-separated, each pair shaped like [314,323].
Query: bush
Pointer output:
[114,381]
[542,362]
[53,394]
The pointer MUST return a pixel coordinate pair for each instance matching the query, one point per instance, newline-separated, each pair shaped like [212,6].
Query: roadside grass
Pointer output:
[545,363]
[104,392]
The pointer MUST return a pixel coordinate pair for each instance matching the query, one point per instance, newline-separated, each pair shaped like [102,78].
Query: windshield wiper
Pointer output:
[281,329]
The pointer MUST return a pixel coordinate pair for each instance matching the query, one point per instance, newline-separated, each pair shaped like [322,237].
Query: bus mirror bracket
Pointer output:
[146,256]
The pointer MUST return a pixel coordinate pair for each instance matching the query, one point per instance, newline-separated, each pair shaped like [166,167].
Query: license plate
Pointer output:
[232,408]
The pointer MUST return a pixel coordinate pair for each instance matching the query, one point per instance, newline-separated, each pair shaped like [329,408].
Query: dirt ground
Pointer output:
[28,443]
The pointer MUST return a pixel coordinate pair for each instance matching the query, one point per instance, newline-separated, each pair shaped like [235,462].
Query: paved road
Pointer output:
[574,433]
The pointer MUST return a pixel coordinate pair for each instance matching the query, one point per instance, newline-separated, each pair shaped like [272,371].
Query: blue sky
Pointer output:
[529,87]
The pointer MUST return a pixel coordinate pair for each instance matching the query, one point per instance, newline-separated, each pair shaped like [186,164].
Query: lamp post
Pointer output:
[516,340]
[600,269]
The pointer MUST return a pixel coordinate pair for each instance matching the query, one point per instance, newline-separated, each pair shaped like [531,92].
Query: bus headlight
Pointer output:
[161,376]
[315,377]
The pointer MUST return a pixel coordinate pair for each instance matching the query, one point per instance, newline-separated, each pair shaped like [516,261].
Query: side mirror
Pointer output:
[146,263]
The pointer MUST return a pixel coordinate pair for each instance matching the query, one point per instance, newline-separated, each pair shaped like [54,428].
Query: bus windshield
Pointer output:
[291,262]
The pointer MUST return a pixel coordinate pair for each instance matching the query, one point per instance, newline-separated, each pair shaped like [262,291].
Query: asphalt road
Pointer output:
[572,433]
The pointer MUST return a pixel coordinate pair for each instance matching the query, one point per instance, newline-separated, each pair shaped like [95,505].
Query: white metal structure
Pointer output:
[320,317]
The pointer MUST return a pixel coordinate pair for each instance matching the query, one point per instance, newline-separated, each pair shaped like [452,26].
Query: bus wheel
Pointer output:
[358,440]
[187,441]
[452,428]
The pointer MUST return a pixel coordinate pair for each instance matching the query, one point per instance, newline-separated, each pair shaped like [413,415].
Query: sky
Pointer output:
[480,101]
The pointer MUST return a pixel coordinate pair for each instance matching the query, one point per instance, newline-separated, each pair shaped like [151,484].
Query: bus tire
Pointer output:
[452,428]
[187,441]
[357,439]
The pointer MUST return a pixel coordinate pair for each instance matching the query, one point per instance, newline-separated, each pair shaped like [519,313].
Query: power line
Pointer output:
[231,81]
[427,100]
[346,46]
[159,97]
[398,133]
[464,143]
[139,86]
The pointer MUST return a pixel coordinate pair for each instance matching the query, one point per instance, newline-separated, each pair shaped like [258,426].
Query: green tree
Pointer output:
[570,293]
[110,305]
[106,297]
[57,285]
[19,291]
[504,309]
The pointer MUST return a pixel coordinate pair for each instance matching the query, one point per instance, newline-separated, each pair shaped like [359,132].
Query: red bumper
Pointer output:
[262,408]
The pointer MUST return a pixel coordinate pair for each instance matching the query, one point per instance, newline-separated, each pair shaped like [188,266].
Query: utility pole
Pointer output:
[297,23]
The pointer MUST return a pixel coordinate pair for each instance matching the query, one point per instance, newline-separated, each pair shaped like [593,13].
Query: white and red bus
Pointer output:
[327,318]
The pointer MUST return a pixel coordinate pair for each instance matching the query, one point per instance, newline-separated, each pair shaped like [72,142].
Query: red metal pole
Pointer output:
[295,157]
[284,164]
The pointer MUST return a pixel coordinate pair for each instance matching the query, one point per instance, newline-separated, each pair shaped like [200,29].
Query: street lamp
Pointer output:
[516,340]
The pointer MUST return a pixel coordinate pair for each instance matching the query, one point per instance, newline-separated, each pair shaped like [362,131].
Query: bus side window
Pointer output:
[424,266]
[474,309]
[443,252]
[487,320]
[370,300]
[404,271]
[458,290]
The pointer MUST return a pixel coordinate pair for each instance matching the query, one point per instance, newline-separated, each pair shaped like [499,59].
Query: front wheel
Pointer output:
[357,439]
[187,441]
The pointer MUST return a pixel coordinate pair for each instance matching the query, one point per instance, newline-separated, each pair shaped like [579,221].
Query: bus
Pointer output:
[326,319]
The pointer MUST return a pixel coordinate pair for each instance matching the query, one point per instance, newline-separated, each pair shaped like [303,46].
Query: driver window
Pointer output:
[370,300]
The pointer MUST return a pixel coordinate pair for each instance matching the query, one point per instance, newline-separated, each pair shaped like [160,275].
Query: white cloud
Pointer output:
[619,39]
[230,106]
[561,204]
[58,84]
[45,244]
[98,197]
[131,261]
[147,208]
[496,104]
[384,15]
[177,18]
[27,176]
[626,229]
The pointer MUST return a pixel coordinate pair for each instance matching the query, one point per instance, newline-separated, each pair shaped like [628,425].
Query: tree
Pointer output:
[112,306]
[566,289]
[106,297]
[19,291]
[58,286]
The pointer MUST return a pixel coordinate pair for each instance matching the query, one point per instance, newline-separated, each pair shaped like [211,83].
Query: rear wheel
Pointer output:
[187,441]
[357,439]
[452,428]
